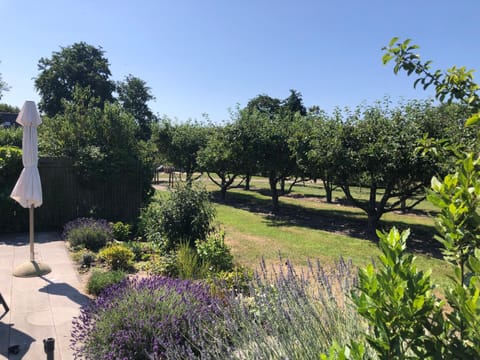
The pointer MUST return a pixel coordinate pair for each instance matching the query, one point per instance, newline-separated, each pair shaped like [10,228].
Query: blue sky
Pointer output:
[206,56]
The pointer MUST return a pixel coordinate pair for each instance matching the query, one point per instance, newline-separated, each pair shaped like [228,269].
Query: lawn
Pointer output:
[308,228]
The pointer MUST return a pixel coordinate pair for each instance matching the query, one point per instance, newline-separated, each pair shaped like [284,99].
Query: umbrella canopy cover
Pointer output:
[28,189]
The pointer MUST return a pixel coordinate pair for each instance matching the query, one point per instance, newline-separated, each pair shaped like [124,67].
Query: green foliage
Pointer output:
[87,233]
[165,265]
[185,215]
[134,94]
[100,141]
[10,169]
[121,231]
[76,66]
[221,156]
[189,265]
[180,143]
[117,256]
[9,108]
[407,320]
[214,252]
[238,280]
[10,165]
[11,136]
[456,83]
[100,280]
[398,303]
[458,224]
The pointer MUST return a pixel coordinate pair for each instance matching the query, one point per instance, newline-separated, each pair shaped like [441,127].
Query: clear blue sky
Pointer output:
[205,56]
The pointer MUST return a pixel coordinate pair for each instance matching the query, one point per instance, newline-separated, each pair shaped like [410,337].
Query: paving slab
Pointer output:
[41,307]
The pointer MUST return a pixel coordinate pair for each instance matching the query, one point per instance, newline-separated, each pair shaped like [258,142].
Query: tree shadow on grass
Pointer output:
[337,221]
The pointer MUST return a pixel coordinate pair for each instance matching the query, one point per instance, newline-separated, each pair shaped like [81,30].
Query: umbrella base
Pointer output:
[31,269]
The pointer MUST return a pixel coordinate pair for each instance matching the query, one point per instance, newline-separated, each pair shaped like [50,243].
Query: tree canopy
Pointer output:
[76,66]
[3,86]
[134,95]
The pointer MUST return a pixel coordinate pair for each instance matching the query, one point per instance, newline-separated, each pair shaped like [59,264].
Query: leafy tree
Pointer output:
[294,103]
[134,95]
[454,84]
[221,156]
[379,153]
[180,143]
[453,334]
[316,146]
[100,141]
[272,150]
[264,104]
[78,65]
[245,134]
[9,108]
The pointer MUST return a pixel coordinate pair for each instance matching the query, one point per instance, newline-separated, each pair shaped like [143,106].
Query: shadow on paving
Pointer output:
[64,289]
[330,220]
[21,239]
[10,337]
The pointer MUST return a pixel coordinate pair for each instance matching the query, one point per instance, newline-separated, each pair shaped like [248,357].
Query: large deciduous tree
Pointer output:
[100,141]
[76,66]
[379,152]
[222,156]
[134,95]
[179,144]
[316,146]
[294,103]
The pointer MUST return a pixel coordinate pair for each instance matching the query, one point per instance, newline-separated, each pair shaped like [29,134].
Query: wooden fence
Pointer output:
[66,197]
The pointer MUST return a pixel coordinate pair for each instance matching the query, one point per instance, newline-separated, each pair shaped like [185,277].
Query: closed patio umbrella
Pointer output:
[28,189]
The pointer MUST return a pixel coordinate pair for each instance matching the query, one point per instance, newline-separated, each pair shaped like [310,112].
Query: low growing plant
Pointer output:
[215,252]
[90,233]
[100,280]
[121,231]
[117,256]
[189,264]
[152,318]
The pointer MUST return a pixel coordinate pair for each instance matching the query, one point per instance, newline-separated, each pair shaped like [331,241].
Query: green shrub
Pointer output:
[238,279]
[189,265]
[165,265]
[100,280]
[121,231]
[117,256]
[87,232]
[10,168]
[11,136]
[214,251]
[185,216]
[143,250]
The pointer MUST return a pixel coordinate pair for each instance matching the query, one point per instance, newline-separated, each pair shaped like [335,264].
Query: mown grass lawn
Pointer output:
[308,228]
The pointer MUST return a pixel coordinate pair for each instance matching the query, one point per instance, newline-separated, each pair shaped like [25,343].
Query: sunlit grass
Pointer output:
[253,233]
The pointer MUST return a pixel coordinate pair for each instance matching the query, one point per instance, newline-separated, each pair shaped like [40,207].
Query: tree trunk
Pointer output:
[328,190]
[372,225]
[223,192]
[403,204]
[248,177]
[274,191]
[282,186]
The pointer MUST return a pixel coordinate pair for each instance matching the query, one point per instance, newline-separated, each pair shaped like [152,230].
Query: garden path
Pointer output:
[40,307]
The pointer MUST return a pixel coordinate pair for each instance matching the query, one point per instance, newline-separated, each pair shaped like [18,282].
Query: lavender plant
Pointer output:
[93,234]
[291,315]
[150,318]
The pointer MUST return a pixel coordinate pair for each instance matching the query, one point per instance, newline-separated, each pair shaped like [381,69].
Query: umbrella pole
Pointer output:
[32,254]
